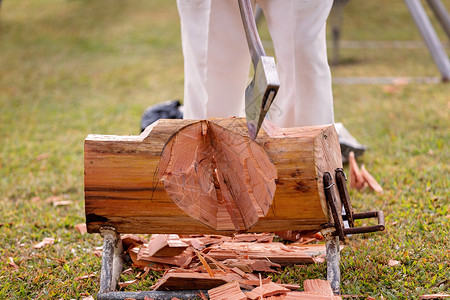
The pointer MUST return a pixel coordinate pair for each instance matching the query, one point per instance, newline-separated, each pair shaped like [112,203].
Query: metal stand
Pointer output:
[335,232]
[430,37]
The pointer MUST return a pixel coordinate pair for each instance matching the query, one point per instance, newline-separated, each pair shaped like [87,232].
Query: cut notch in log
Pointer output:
[217,176]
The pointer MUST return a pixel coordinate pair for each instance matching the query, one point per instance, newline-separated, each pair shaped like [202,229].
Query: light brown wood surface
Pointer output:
[219,177]
[123,187]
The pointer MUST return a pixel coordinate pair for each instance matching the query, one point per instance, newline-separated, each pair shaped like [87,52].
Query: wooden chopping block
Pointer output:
[208,176]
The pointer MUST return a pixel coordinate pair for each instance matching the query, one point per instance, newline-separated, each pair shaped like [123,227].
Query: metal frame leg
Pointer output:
[335,19]
[333,259]
[441,13]
[112,262]
[430,37]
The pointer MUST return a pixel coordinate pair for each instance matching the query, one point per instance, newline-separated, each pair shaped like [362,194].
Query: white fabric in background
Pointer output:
[217,60]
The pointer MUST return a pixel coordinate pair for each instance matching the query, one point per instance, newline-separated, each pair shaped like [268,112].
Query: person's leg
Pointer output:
[297,29]
[216,58]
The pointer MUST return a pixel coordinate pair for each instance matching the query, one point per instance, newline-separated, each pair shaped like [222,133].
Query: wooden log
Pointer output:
[124,187]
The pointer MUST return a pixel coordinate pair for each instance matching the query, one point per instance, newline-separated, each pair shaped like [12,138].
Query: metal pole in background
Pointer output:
[430,37]
[441,13]
[335,19]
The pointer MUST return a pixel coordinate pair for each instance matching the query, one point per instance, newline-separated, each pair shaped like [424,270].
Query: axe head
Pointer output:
[260,93]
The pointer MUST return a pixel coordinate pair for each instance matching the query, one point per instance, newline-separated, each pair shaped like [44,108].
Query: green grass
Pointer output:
[70,68]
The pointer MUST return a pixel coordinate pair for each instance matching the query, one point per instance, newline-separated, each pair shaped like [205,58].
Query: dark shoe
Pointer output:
[171,109]
[348,143]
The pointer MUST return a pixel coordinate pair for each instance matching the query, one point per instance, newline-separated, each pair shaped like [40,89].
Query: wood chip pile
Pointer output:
[228,267]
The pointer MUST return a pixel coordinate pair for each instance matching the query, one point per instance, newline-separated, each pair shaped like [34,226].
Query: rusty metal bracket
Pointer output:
[341,179]
[333,205]
[349,215]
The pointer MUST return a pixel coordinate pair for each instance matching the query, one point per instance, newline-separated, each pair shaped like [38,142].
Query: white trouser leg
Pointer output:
[298,32]
[216,58]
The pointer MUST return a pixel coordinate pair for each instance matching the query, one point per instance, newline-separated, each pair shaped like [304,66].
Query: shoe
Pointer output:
[348,143]
[171,109]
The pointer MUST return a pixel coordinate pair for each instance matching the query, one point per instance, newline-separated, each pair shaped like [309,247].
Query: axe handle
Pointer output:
[251,32]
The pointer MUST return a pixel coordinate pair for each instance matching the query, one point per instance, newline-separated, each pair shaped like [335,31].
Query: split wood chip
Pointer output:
[313,249]
[130,241]
[179,260]
[289,235]
[309,296]
[276,297]
[202,296]
[12,264]
[393,263]
[139,263]
[45,242]
[165,245]
[265,290]
[239,272]
[226,291]
[357,180]
[35,199]
[42,156]
[128,271]
[196,243]
[346,296]
[85,277]
[372,182]
[62,203]
[192,281]
[97,253]
[127,283]
[256,282]
[435,296]
[204,263]
[201,242]
[81,228]
[274,252]
[249,265]
[54,199]
[291,286]
[320,259]
[318,286]
[254,237]
[360,178]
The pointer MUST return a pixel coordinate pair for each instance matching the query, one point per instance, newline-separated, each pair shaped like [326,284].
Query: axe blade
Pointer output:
[260,93]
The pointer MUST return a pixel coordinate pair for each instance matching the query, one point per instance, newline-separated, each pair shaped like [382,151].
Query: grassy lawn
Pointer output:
[70,68]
